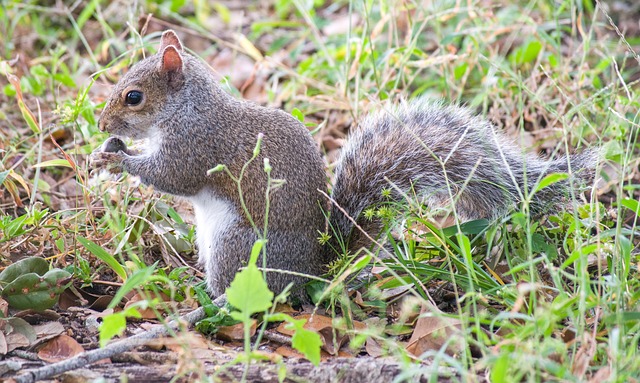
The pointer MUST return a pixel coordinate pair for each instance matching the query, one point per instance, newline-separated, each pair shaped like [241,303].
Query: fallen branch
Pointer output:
[115,348]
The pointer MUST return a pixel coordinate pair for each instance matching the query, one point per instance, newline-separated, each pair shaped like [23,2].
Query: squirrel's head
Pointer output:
[144,96]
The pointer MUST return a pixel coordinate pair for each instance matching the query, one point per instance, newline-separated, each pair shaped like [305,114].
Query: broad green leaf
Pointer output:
[14,228]
[499,372]
[115,324]
[37,292]
[632,205]
[35,265]
[249,293]
[297,114]
[526,53]
[460,71]
[471,227]
[308,343]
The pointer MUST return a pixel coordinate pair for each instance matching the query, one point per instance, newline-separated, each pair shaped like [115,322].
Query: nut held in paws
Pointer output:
[113,145]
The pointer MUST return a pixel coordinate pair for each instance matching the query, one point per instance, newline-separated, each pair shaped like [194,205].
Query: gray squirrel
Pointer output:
[442,153]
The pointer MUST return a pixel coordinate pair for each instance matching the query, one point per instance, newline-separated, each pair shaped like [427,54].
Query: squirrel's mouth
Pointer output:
[114,126]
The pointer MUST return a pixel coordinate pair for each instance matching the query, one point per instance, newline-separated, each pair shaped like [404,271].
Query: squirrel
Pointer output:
[443,154]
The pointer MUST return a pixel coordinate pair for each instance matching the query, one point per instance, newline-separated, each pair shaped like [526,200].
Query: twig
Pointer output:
[86,358]
[277,337]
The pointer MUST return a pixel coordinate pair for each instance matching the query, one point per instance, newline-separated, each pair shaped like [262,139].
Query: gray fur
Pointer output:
[196,126]
[440,152]
[202,126]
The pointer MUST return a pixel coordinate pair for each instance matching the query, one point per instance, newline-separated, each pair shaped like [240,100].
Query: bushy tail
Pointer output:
[441,154]
[580,167]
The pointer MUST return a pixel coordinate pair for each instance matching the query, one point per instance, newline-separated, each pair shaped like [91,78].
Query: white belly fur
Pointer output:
[214,216]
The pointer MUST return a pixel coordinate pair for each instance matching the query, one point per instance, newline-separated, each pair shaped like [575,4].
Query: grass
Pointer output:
[553,299]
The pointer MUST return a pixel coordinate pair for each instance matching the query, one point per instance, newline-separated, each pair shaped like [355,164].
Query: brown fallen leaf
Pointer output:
[584,355]
[150,313]
[101,303]
[373,348]
[33,316]
[16,340]
[314,322]
[18,333]
[71,298]
[59,348]
[191,340]
[602,375]
[235,332]
[432,331]
[47,331]
[190,344]
[332,338]
[285,308]
[3,345]
[357,299]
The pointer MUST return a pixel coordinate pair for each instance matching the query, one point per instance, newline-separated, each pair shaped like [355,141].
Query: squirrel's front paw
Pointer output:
[107,160]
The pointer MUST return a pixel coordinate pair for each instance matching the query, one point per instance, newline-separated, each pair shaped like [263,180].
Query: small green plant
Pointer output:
[249,294]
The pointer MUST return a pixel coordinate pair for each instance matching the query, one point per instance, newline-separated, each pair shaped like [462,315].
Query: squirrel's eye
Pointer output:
[133,98]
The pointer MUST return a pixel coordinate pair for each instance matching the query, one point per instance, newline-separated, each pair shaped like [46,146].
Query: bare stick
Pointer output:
[88,357]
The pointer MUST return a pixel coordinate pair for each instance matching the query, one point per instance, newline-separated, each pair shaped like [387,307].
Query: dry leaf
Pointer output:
[101,303]
[33,316]
[583,356]
[373,348]
[568,334]
[3,345]
[332,339]
[602,375]
[16,340]
[235,332]
[248,47]
[149,313]
[285,308]
[314,322]
[69,298]
[18,333]
[59,348]
[191,340]
[432,331]
[48,331]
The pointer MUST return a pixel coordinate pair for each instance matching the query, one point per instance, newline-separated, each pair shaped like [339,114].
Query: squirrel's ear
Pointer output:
[171,60]
[169,37]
